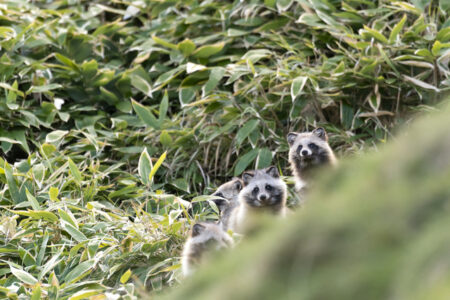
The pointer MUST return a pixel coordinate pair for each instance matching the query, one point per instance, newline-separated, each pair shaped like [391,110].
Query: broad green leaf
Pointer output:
[375,34]
[12,186]
[191,67]
[37,214]
[186,95]
[145,114]
[23,276]
[141,84]
[68,217]
[124,278]
[244,161]
[73,232]
[55,136]
[163,107]
[75,171]
[264,158]
[85,294]
[80,271]
[297,86]
[421,83]
[67,61]
[165,139]
[34,203]
[245,130]
[164,43]
[53,194]
[36,294]
[214,78]
[396,30]
[156,166]
[186,47]
[89,68]
[208,50]
[437,46]
[144,167]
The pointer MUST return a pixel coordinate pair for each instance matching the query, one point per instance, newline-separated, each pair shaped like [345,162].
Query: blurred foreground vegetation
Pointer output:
[374,229]
[115,114]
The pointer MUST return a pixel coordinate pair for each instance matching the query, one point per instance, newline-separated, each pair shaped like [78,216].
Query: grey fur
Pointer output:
[263,192]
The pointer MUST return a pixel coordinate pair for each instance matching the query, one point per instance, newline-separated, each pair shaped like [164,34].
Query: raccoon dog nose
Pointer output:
[304,153]
[262,197]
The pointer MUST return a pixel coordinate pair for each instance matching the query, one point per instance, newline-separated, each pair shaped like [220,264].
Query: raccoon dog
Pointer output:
[308,151]
[228,201]
[263,192]
[204,239]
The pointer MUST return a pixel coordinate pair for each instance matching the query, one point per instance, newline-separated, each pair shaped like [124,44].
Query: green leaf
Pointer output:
[85,294]
[164,43]
[375,34]
[141,84]
[145,114]
[156,166]
[144,167]
[55,136]
[244,161]
[12,186]
[53,193]
[73,232]
[34,203]
[396,30]
[163,107]
[297,86]
[37,214]
[36,294]
[264,158]
[68,217]
[165,139]
[124,278]
[208,50]
[215,76]
[23,276]
[437,46]
[74,171]
[421,83]
[80,271]
[186,47]
[245,130]
[89,68]
[186,95]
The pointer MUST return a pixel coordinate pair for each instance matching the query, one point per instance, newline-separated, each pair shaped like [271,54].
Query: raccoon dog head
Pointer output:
[263,188]
[209,236]
[227,193]
[309,148]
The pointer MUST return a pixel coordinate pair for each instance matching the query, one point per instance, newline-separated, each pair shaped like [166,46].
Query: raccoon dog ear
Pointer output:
[238,184]
[291,138]
[273,171]
[197,229]
[320,133]
[247,176]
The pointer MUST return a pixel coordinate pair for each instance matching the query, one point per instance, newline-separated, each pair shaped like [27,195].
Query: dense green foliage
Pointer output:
[114,113]
[373,229]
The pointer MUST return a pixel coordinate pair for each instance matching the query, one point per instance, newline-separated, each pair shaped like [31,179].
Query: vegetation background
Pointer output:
[117,116]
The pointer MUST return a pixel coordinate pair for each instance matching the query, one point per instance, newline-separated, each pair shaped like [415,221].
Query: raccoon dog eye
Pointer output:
[313,146]
[268,187]
[255,190]
[299,148]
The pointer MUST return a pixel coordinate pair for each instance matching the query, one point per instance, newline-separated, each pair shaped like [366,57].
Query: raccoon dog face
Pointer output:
[209,236]
[263,188]
[309,148]
[227,193]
